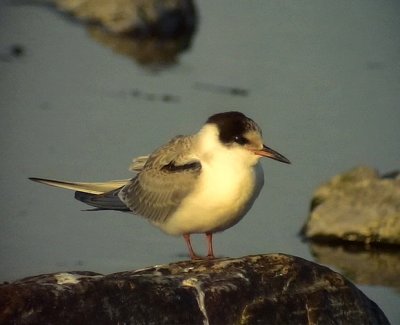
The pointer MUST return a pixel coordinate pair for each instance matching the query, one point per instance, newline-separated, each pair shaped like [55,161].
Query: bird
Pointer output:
[202,183]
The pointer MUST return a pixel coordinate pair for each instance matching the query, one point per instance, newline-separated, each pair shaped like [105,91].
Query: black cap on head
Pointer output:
[232,126]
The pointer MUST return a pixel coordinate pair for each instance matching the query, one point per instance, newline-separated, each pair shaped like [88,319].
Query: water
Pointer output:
[321,78]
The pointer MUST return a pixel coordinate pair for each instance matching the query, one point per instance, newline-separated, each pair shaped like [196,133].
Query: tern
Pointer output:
[201,183]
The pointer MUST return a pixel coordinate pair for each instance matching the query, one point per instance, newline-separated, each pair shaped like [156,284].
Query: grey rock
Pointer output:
[357,206]
[262,289]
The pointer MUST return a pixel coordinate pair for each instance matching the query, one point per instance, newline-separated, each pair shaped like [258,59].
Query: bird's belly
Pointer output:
[220,201]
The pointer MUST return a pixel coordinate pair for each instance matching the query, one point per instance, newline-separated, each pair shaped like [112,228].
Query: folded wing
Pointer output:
[167,177]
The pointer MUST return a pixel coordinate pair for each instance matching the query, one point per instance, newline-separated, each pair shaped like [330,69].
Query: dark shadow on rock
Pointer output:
[153,53]
[261,289]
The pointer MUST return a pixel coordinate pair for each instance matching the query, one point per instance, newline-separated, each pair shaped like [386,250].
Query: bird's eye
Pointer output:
[240,139]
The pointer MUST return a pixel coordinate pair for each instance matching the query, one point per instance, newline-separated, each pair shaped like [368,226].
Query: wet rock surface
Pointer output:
[357,206]
[262,289]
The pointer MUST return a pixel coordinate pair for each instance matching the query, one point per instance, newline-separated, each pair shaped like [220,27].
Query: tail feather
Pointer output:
[92,188]
[105,201]
[102,195]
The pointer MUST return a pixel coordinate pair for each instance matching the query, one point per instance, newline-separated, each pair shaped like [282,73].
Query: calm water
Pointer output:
[321,78]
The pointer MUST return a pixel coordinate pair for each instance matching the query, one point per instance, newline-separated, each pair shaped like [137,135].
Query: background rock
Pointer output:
[168,18]
[262,289]
[357,206]
[152,32]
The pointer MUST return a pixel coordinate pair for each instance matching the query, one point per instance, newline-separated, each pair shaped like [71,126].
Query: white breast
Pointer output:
[227,188]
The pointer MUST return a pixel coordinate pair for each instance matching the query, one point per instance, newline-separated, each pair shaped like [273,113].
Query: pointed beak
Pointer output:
[270,153]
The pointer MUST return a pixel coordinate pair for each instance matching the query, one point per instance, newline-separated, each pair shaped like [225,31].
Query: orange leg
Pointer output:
[192,254]
[210,251]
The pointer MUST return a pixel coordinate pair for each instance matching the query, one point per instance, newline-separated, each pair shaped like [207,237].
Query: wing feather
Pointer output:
[166,178]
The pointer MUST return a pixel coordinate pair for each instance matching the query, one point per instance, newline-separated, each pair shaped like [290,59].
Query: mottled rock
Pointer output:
[262,289]
[357,206]
[167,18]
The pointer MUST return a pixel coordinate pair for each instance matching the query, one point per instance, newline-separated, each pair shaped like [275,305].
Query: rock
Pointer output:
[151,52]
[357,206]
[153,32]
[262,289]
[166,18]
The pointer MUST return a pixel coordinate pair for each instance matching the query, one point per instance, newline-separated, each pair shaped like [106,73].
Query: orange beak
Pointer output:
[270,153]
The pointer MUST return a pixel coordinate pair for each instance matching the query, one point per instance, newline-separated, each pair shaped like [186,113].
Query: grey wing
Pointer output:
[167,177]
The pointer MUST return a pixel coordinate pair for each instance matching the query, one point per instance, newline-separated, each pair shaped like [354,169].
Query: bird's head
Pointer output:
[240,135]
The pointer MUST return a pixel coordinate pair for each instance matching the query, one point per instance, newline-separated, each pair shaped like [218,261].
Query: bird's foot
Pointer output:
[196,257]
